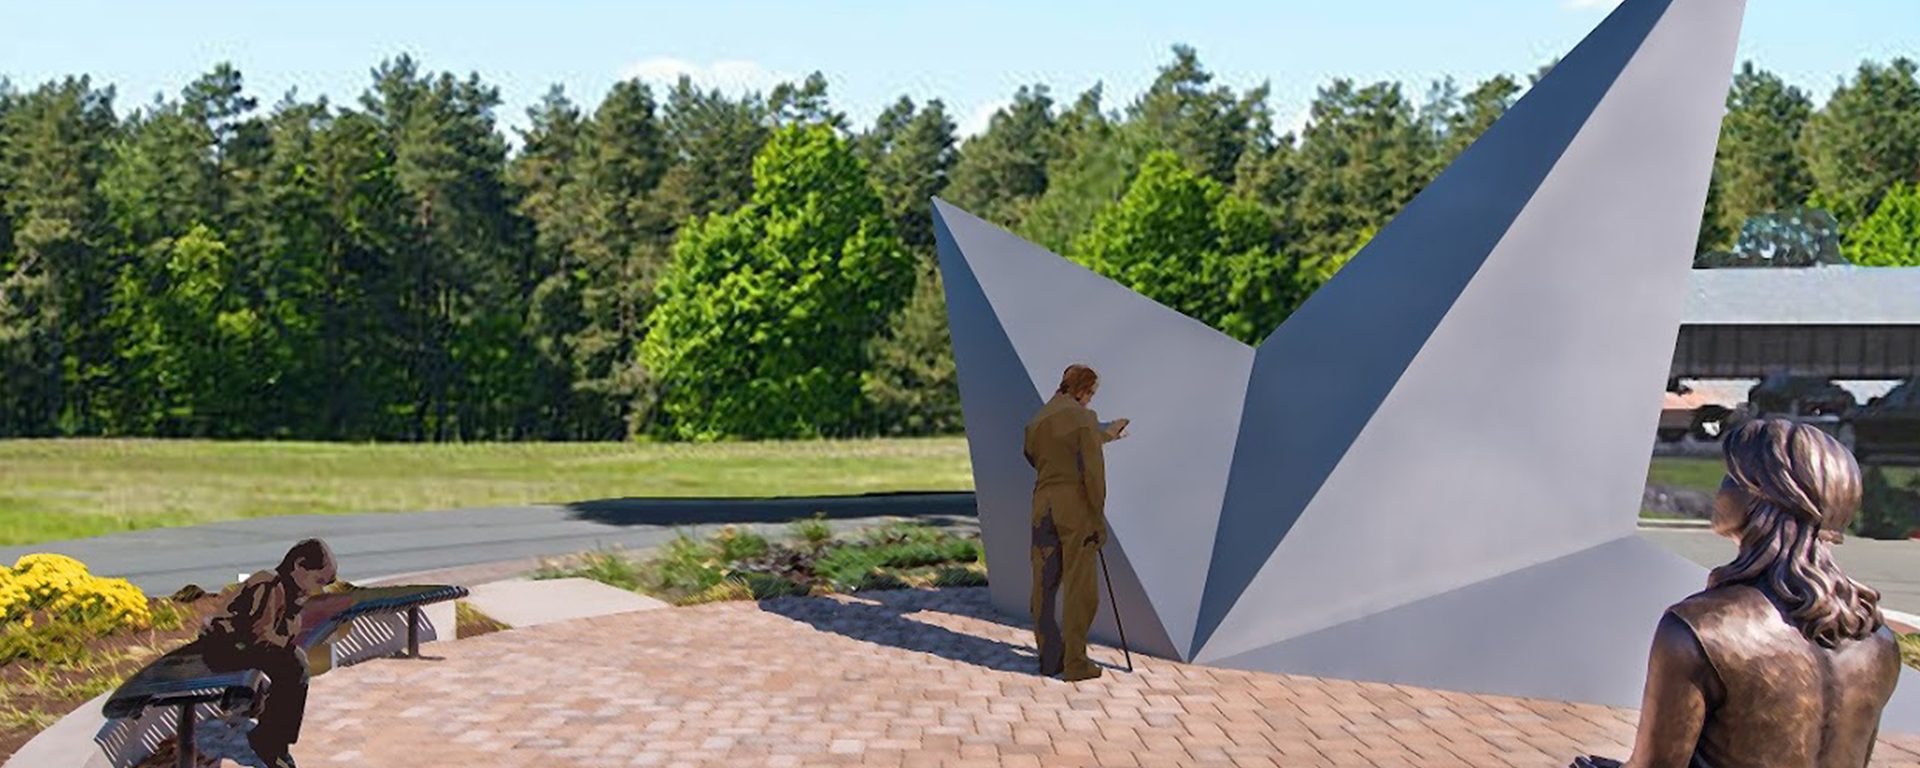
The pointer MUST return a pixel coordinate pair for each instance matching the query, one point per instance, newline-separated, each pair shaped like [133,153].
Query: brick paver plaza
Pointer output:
[898,679]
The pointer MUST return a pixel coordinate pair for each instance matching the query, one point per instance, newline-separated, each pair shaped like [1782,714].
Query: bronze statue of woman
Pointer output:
[1783,660]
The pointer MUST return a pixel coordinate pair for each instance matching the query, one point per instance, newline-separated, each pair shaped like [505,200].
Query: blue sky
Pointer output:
[971,54]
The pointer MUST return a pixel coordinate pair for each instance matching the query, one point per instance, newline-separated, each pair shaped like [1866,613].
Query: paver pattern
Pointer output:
[911,678]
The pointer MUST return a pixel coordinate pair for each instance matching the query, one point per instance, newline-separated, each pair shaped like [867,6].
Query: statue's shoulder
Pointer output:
[1722,605]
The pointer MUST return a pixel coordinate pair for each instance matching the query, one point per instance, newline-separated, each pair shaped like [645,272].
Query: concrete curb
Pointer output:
[68,743]
[1655,524]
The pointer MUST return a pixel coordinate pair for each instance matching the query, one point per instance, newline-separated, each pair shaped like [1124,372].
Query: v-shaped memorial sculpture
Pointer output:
[1430,474]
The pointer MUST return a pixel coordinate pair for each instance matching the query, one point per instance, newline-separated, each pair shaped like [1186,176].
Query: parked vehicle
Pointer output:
[1689,412]
[1888,427]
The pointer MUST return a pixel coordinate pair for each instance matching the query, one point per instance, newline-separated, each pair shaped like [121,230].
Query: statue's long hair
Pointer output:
[1803,489]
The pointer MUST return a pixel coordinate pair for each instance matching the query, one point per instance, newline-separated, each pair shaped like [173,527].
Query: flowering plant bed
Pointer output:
[737,564]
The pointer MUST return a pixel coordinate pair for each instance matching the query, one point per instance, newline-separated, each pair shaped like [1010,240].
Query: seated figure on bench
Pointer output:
[258,630]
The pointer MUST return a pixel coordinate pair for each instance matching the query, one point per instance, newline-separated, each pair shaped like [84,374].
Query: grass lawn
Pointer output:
[1703,474]
[64,489]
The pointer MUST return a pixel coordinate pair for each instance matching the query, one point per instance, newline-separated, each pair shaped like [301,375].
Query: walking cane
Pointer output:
[1116,608]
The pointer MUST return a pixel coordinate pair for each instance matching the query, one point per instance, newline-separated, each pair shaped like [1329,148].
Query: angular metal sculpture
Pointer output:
[1341,500]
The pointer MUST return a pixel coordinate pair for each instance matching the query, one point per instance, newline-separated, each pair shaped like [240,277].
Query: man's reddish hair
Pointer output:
[1077,381]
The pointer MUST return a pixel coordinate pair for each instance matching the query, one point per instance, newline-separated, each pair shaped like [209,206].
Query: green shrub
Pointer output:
[685,564]
[168,615]
[879,579]
[733,544]
[814,533]
[605,566]
[721,591]
[738,564]
[1910,649]
[960,576]
[762,586]
[1886,512]
[50,643]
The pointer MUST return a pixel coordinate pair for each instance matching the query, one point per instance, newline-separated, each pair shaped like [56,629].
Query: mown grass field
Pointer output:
[63,489]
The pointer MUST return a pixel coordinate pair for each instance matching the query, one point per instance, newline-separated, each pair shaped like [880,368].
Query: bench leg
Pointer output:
[413,632]
[184,737]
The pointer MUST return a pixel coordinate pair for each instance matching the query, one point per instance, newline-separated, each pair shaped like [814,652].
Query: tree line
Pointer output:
[684,263]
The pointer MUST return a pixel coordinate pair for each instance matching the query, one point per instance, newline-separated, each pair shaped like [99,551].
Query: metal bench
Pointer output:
[166,698]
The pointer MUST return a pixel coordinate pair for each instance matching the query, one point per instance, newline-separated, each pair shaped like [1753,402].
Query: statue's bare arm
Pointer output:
[1674,708]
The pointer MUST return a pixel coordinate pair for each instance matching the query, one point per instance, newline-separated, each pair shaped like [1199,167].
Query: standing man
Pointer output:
[1064,444]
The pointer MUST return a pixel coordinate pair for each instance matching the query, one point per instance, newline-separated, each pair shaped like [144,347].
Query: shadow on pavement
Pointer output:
[883,618]
[775,509]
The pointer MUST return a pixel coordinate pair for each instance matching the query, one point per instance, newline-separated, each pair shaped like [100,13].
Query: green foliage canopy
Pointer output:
[765,312]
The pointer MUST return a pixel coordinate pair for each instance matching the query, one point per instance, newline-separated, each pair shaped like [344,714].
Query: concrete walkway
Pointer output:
[529,603]
[1893,567]
[162,560]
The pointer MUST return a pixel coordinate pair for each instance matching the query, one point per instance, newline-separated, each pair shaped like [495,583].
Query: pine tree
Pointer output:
[543,178]
[1364,157]
[55,348]
[1003,170]
[910,153]
[1758,168]
[622,250]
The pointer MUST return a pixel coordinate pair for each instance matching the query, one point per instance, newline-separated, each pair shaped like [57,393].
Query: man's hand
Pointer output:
[1118,429]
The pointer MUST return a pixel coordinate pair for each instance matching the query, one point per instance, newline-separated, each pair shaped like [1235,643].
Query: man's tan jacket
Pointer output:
[1063,444]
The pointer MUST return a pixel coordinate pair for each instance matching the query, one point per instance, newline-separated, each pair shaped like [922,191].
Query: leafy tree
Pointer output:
[1758,168]
[1866,139]
[1001,171]
[187,327]
[1891,236]
[766,313]
[1176,237]
[1886,512]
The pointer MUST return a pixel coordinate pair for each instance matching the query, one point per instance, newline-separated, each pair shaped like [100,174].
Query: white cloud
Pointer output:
[976,123]
[1588,5]
[729,75]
